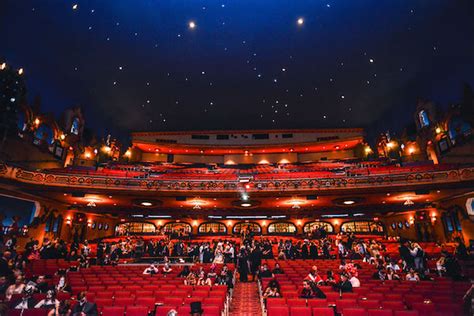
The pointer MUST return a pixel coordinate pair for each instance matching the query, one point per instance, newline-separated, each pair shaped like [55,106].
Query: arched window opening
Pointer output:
[423,118]
[212,228]
[177,228]
[367,227]
[249,227]
[135,228]
[44,134]
[313,227]
[282,228]
[75,126]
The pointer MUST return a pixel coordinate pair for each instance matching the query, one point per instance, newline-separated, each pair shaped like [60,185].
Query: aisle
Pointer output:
[245,299]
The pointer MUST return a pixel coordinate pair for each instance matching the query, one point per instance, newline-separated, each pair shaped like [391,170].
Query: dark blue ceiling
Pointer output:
[137,65]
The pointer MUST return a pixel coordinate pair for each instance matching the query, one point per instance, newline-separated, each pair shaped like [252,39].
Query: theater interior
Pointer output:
[222,222]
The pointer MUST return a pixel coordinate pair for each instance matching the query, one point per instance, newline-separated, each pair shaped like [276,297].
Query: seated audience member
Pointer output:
[440,266]
[277,269]
[381,274]
[63,309]
[62,285]
[212,271]
[412,276]
[392,275]
[314,277]
[344,285]
[354,281]
[26,300]
[310,290]
[204,279]
[272,290]
[264,272]
[40,284]
[50,302]
[166,269]
[191,279]
[83,307]
[152,269]
[185,272]
[16,288]
[331,279]
[394,266]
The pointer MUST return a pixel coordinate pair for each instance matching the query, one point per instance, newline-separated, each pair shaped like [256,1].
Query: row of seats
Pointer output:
[329,311]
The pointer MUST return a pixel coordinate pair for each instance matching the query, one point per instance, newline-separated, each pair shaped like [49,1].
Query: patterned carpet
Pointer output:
[245,300]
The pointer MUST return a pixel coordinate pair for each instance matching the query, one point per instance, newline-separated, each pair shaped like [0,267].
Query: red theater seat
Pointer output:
[296,302]
[323,311]
[380,312]
[354,312]
[124,301]
[406,313]
[211,310]
[278,311]
[300,311]
[137,311]
[113,311]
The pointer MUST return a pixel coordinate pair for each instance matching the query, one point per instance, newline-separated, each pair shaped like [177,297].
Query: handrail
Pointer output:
[455,175]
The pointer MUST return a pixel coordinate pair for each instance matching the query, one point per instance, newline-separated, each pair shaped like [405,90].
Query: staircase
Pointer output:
[245,300]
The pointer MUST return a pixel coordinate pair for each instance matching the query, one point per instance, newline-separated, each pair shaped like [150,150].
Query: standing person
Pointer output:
[243,264]
[255,260]
[406,254]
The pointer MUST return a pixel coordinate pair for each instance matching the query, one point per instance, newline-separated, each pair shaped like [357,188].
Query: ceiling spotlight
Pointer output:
[74,6]
[192,25]
[408,202]
[91,204]
[145,203]
[300,21]
[349,202]
[296,206]
[245,197]
[196,206]
[246,205]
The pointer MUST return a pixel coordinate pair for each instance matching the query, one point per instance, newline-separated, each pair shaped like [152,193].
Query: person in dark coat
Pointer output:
[344,285]
[310,290]
[405,254]
[83,307]
[255,261]
[243,265]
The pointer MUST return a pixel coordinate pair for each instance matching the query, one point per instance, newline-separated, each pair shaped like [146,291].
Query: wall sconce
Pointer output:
[229,223]
[160,223]
[299,222]
[68,220]
[264,223]
[411,220]
[89,223]
[336,222]
[195,223]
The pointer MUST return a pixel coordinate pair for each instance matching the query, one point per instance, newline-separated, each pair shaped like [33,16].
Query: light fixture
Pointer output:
[245,197]
[87,154]
[20,71]
[246,204]
[299,222]
[438,130]
[408,202]
[91,204]
[192,25]
[368,150]
[128,153]
[348,202]
[62,137]
[296,206]
[37,121]
[146,203]
[196,206]
[300,21]
[3,66]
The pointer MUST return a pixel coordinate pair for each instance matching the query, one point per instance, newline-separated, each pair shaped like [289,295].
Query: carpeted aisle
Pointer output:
[245,300]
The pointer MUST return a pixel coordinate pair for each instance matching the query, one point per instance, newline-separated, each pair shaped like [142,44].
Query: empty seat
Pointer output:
[278,311]
[113,311]
[394,305]
[124,301]
[323,311]
[406,313]
[379,312]
[354,312]
[300,311]
[137,311]
[296,302]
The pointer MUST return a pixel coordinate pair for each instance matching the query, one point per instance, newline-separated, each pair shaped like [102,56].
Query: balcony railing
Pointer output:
[44,178]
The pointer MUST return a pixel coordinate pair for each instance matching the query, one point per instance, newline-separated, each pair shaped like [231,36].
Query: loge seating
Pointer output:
[389,298]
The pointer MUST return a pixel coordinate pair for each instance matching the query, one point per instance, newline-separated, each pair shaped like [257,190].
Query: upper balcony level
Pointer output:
[323,176]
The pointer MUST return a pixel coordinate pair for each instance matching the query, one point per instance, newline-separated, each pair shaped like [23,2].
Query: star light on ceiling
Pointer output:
[300,21]
[192,25]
